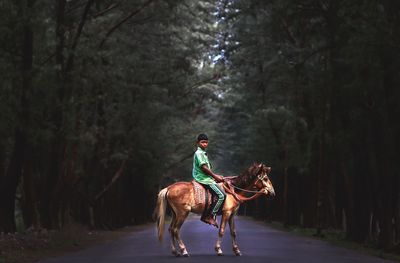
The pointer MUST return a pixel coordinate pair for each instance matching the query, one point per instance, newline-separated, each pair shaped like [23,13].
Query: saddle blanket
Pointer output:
[203,196]
[199,193]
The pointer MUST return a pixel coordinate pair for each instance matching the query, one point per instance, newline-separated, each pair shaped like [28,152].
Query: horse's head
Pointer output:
[262,181]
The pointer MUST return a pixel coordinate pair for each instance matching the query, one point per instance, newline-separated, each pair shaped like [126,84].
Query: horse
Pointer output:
[180,197]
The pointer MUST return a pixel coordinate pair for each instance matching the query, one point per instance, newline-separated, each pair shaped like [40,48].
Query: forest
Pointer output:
[101,102]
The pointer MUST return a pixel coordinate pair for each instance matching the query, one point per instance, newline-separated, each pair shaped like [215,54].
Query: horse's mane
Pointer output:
[245,178]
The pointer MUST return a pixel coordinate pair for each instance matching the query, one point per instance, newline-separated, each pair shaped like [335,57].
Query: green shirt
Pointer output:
[200,158]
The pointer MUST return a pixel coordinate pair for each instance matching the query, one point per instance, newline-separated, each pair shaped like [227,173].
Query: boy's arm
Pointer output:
[217,178]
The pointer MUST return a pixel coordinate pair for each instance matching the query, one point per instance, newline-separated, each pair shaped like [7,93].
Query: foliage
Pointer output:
[311,85]
[101,102]
[109,82]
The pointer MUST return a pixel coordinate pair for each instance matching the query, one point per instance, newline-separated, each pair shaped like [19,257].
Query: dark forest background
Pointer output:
[101,102]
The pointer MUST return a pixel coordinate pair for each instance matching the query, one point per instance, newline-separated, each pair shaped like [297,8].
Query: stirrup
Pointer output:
[211,220]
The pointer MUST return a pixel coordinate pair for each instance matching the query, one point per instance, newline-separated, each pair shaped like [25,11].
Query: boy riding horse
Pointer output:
[203,174]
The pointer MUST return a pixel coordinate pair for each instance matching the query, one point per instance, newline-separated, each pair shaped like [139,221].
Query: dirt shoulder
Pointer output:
[33,245]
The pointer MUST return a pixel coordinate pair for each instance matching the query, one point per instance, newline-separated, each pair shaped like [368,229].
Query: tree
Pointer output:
[327,64]
[115,92]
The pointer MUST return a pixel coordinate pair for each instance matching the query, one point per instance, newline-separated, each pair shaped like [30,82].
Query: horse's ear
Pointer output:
[259,168]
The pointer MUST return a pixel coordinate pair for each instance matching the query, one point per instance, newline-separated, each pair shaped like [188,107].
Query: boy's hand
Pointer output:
[219,178]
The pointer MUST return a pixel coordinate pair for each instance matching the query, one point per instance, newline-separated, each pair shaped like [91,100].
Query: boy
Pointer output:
[202,173]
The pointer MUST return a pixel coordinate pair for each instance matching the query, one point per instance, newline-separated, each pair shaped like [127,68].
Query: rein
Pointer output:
[247,191]
[239,197]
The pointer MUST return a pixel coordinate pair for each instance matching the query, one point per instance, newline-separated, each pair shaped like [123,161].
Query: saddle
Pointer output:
[203,195]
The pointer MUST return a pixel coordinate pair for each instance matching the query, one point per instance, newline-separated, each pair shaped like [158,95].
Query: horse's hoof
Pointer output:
[184,252]
[220,254]
[176,254]
[238,253]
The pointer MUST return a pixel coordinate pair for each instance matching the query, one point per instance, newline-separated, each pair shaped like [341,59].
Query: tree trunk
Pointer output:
[29,201]
[397,215]
[49,199]
[13,175]
[386,148]
[10,183]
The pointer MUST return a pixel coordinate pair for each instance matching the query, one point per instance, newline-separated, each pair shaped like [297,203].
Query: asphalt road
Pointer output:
[257,242]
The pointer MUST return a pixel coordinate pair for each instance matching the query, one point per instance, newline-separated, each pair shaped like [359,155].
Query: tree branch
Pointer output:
[288,32]
[79,5]
[78,33]
[113,180]
[109,8]
[216,76]
[133,13]
[313,53]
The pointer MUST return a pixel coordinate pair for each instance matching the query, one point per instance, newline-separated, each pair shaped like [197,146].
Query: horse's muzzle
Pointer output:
[269,194]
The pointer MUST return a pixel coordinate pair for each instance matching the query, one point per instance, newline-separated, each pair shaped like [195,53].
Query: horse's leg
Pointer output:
[171,232]
[224,219]
[232,228]
[180,218]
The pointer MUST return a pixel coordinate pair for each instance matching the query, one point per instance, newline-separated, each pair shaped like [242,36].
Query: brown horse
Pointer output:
[181,198]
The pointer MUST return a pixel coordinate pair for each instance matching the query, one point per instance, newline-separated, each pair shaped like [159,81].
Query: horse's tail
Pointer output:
[160,212]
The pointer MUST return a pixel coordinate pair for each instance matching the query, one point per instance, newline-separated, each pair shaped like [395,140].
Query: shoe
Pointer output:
[211,220]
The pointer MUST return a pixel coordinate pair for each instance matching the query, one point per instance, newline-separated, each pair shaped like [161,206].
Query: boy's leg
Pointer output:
[210,216]
[221,197]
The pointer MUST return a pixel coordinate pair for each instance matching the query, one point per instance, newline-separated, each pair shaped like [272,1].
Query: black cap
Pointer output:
[202,137]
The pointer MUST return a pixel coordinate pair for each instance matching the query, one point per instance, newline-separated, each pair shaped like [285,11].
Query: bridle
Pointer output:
[260,177]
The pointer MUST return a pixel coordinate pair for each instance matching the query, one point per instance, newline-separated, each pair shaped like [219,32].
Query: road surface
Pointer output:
[257,242]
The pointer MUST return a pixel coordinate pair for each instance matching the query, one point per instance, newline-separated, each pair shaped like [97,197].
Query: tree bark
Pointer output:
[9,184]
[49,208]
[29,201]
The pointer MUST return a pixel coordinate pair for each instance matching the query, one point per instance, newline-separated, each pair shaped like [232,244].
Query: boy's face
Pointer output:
[203,144]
